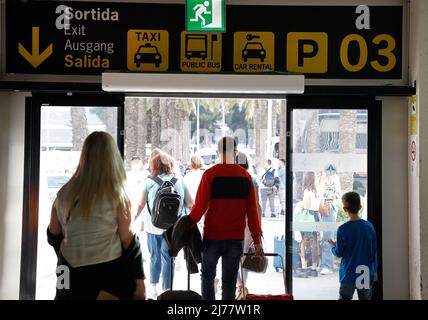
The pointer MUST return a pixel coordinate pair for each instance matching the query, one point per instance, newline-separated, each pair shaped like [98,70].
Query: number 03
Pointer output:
[385,52]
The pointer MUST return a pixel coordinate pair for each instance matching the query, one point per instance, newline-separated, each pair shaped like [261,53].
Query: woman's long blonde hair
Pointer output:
[99,175]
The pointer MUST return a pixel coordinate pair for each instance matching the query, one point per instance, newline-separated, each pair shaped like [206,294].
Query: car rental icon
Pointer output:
[148,53]
[253,50]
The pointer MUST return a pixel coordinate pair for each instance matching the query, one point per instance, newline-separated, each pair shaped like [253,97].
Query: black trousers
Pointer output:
[85,283]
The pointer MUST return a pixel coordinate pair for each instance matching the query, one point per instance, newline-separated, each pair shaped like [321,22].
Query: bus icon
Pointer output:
[196,46]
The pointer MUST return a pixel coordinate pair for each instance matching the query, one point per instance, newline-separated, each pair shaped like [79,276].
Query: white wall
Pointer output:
[418,191]
[12,132]
[395,235]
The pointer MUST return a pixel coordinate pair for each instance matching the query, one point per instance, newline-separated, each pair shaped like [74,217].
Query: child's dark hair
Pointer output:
[352,202]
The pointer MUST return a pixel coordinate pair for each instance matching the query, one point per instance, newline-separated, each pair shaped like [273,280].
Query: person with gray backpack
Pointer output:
[267,189]
[164,200]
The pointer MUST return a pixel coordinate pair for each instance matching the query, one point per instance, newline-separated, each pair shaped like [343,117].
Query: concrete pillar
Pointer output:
[418,185]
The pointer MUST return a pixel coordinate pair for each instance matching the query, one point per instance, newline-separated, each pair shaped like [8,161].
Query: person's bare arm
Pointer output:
[259,207]
[188,199]
[124,223]
[141,204]
[54,224]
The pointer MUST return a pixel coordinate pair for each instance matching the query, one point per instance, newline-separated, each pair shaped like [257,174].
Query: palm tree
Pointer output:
[347,138]
[260,120]
[79,127]
[142,128]
[156,123]
[131,132]
[282,128]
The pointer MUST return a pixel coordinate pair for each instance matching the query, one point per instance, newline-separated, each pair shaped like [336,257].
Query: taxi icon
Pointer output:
[147,53]
[253,50]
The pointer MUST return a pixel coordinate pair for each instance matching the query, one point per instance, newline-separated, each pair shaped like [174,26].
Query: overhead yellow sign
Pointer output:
[147,50]
[253,51]
[200,52]
[307,52]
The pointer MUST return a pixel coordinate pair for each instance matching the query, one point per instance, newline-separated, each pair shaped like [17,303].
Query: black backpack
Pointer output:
[269,178]
[167,205]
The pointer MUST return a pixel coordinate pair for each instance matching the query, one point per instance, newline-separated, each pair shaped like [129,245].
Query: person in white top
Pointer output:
[309,246]
[194,176]
[92,213]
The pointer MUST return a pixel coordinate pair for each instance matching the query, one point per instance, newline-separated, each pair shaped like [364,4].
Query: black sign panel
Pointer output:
[86,38]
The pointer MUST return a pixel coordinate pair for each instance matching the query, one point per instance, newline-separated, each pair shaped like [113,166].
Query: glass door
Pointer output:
[328,152]
[65,122]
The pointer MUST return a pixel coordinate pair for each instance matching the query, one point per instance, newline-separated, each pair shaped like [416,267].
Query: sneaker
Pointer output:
[273,215]
[241,293]
[325,271]
[312,273]
[301,273]
[153,292]
[282,212]
[216,285]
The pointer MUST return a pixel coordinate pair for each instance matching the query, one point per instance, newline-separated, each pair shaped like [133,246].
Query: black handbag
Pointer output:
[253,263]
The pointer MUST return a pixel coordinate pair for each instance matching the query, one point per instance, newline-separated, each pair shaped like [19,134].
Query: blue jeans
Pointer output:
[346,292]
[160,260]
[230,252]
[326,254]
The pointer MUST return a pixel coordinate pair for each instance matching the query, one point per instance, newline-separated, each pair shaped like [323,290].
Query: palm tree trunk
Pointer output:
[260,120]
[163,109]
[282,128]
[347,138]
[111,122]
[79,127]
[131,133]
[274,117]
[156,124]
[142,128]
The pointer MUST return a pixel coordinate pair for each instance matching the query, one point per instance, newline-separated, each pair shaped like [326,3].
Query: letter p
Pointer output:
[307,52]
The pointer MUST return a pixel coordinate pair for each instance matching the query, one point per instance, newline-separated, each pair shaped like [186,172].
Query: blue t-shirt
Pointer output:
[281,176]
[356,245]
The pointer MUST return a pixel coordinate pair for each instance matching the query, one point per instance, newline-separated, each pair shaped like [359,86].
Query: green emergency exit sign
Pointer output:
[206,15]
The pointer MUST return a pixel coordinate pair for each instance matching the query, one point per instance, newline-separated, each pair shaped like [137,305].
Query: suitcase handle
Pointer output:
[266,255]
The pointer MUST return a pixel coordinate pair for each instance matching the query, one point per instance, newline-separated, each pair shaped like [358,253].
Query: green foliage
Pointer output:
[207,118]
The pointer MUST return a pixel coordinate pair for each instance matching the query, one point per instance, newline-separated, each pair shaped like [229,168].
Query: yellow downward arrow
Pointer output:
[35,58]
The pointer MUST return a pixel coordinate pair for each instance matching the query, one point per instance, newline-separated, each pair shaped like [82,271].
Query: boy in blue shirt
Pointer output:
[356,245]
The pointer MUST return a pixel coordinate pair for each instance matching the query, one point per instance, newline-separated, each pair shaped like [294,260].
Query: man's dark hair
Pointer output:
[226,145]
[269,162]
[352,202]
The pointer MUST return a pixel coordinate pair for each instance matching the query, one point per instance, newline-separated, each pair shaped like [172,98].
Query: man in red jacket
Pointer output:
[226,196]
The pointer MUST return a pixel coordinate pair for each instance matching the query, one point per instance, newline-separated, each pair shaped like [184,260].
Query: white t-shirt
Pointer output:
[192,181]
[310,200]
[90,240]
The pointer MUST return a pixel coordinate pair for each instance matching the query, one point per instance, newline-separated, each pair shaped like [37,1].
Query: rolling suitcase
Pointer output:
[180,294]
[279,248]
[285,296]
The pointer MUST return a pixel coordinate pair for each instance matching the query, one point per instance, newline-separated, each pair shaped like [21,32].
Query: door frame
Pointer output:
[374,167]
[30,214]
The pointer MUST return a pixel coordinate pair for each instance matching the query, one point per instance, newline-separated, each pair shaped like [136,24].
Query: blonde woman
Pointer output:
[90,226]
[194,176]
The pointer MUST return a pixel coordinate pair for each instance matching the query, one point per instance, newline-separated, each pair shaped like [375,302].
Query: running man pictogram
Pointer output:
[201,9]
